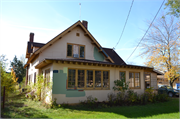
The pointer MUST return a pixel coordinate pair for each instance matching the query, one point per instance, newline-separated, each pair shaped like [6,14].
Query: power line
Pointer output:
[124,24]
[146,30]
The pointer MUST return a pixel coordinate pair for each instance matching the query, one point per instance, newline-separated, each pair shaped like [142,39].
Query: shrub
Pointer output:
[90,102]
[132,96]
[120,98]
[121,85]
[111,97]
[143,98]
[54,104]
[149,93]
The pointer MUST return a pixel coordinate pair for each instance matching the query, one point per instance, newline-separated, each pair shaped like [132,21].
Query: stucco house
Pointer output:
[78,66]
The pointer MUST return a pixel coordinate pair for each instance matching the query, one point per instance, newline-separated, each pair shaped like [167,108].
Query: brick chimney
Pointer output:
[31,37]
[85,23]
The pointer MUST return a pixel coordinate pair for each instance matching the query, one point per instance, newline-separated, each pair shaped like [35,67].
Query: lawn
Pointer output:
[20,107]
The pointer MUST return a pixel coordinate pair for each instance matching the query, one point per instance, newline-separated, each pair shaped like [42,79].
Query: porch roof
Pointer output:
[48,61]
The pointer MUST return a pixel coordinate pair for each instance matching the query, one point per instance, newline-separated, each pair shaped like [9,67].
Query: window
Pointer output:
[81,51]
[88,79]
[137,82]
[71,78]
[81,78]
[75,51]
[122,75]
[47,77]
[34,77]
[69,50]
[77,34]
[97,78]
[147,80]
[29,79]
[105,79]
[134,79]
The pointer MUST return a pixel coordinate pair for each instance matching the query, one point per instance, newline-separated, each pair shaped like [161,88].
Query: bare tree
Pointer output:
[161,46]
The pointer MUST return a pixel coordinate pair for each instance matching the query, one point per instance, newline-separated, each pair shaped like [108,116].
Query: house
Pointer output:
[161,80]
[78,66]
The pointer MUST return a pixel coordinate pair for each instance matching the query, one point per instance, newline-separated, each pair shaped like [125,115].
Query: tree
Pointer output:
[161,46]
[6,78]
[23,59]
[18,68]
[174,6]
[3,60]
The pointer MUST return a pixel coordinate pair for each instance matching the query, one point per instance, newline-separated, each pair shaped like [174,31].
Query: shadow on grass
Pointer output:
[25,113]
[138,111]
[15,107]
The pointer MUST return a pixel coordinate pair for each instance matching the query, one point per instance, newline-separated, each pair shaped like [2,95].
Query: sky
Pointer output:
[48,18]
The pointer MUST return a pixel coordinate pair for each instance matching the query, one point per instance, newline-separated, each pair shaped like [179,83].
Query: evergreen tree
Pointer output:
[18,68]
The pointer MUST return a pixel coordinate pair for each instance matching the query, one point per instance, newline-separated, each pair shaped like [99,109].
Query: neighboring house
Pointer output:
[78,66]
[161,80]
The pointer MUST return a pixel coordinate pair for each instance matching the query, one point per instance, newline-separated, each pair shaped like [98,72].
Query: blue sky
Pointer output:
[47,18]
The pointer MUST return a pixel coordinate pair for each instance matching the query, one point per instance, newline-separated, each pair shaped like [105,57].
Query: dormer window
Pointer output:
[75,51]
[69,50]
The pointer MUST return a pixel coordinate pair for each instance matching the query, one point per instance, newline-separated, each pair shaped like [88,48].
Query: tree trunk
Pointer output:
[171,83]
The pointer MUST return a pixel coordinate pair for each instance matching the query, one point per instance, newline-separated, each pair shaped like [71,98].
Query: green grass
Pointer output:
[20,107]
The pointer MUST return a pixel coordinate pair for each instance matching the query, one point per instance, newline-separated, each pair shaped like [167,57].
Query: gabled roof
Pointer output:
[87,33]
[78,23]
[114,56]
[30,49]
[34,44]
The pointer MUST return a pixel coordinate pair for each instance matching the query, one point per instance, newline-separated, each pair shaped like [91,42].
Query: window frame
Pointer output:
[149,73]
[108,78]
[85,78]
[78,51]
[45,79]
[90,88]
[134,80]
[125,75]
[34,78]
[75,78]
[67,50]
[78,80]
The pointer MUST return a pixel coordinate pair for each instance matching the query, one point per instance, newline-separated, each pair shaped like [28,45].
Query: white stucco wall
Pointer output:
[59,48]
[32,70]
[101,95]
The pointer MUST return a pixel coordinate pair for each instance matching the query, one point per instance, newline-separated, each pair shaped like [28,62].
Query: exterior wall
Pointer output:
[59,48]
[32,70]
[64,95]
[48,97]
[154,80]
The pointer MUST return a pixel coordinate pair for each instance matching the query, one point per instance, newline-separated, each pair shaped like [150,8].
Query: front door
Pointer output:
[147,80]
